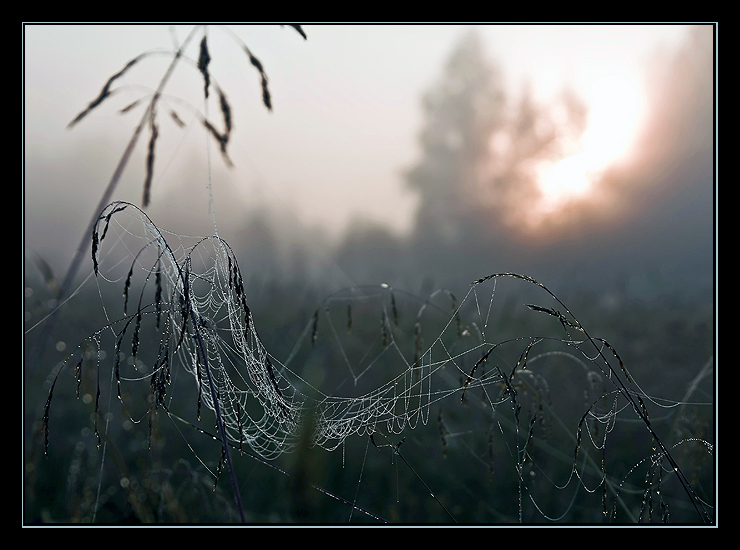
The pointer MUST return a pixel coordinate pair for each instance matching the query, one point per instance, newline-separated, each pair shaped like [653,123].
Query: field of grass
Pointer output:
[584,454]
[170,389]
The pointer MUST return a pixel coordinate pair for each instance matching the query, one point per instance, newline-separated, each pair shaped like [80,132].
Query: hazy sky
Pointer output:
[345,120]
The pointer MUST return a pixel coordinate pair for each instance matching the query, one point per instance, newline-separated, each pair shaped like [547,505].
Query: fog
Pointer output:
[372,173]
[378,161]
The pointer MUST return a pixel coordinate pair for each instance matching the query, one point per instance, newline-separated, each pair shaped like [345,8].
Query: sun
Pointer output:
[616,105]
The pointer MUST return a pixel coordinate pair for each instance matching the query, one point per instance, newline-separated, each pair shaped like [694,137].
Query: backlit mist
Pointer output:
[508,147]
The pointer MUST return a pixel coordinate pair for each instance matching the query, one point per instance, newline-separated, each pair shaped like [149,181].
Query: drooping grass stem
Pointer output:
[621,387]
[217,410]
[105,199]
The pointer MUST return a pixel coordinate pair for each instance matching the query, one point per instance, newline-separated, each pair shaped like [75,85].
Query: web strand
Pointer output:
[394,358]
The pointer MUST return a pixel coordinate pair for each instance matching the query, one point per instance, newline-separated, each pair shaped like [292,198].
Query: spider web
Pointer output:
[395,363]
[194,292]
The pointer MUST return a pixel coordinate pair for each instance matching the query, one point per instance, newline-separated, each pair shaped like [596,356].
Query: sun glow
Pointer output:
[615,112]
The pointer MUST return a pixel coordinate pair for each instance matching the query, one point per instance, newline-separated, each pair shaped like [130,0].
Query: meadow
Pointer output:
[173,387]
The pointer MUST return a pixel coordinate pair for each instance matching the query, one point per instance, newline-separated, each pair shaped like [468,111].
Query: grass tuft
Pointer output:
[204,59]
[105,92]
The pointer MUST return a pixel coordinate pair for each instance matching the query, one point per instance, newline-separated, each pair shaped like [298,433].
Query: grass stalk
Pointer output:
[74,266]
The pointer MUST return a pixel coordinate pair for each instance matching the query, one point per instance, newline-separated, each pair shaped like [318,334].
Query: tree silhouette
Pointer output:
[462,111]
[477,177]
